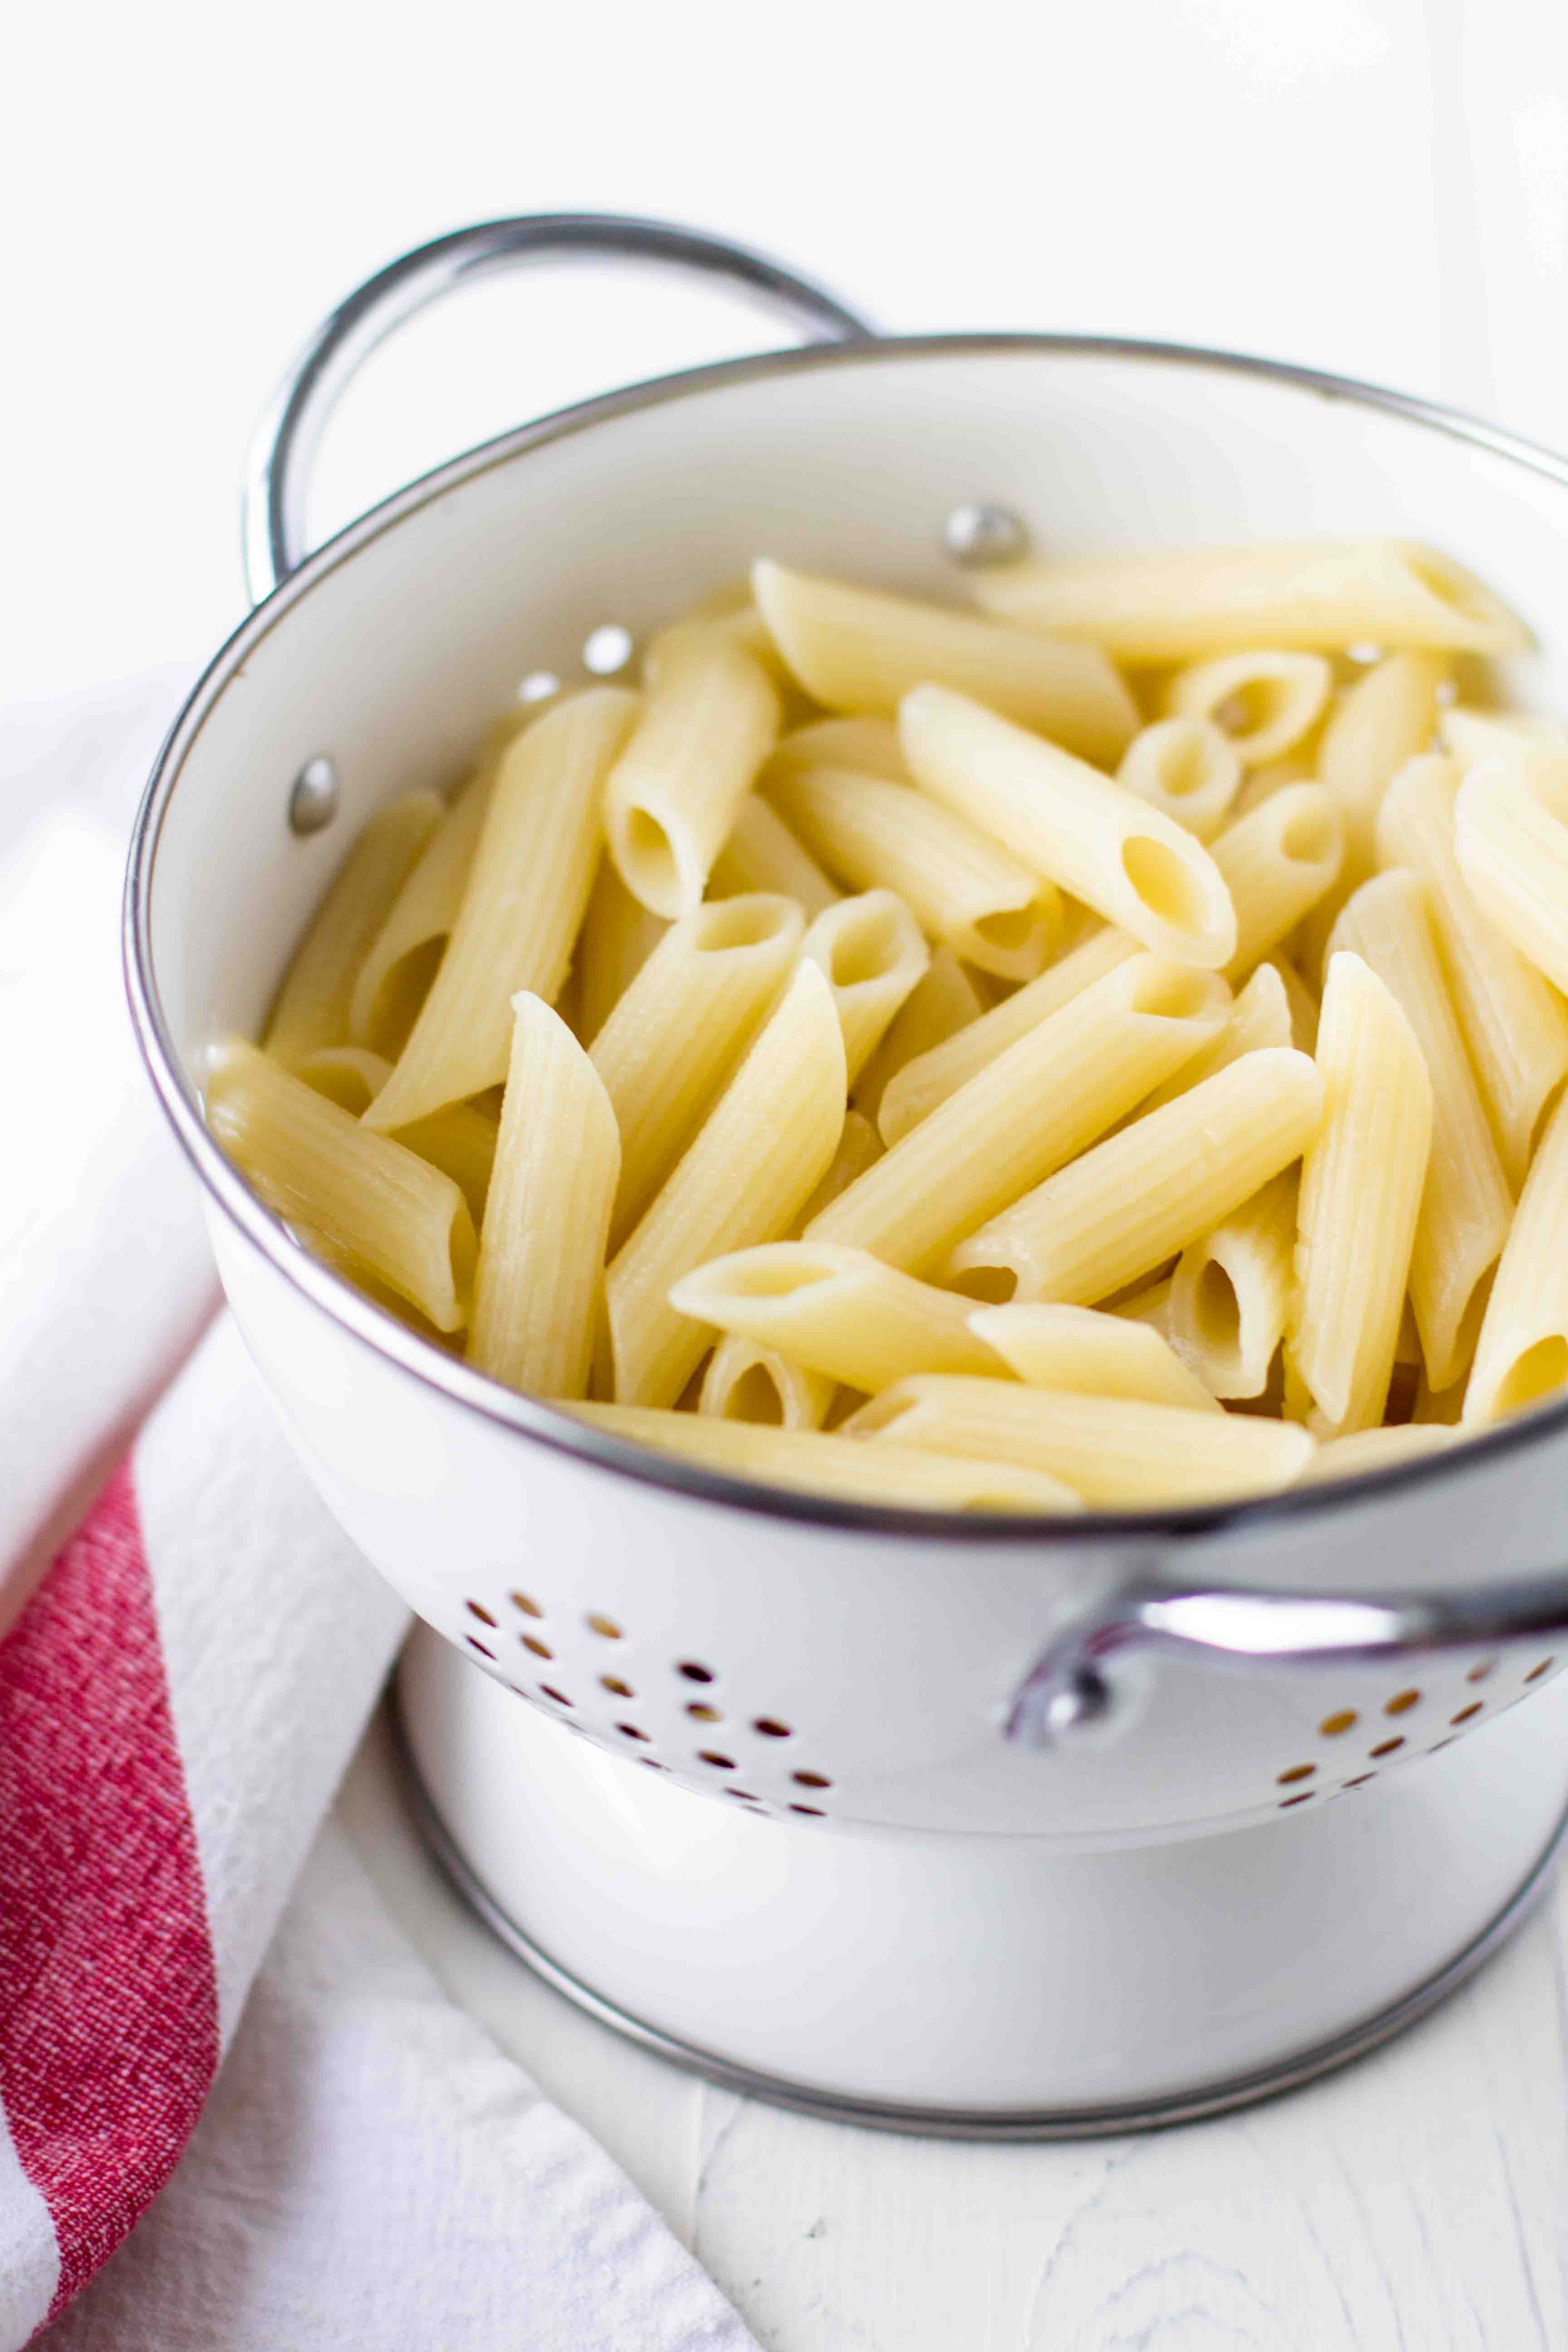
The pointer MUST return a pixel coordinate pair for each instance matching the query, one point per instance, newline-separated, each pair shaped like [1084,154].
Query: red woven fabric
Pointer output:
[108,2026]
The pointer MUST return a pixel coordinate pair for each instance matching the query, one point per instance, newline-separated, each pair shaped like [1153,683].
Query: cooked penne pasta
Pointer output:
[1386,718]
[395,978]
[1116,1214]
[762,1148]
[541,1247]
[1303,1006]
[858,1145]
[617,936]
[1230,1294]
[963,890]
[373,1204]
[1259,1016]
[859,650]
[1468,735]
[1068,821]
[868,746]
[350,1076]
[819,1465]
[1466,1205]
[1038,1103]
[761,853]
[1521,1356]
[928,1079]
[532,874]
[1089,1353]
[872,952]
[1262,703]
[708,721]
[1150,1304]
[938,1006]
[1115,1451]
[1514,1023]
[1375,1449]
[676,1038]
[1187,769]
[837,1311]
[313,1005]
[1316,593]
[747,1382]
[1510,835]
[1277,863]
[1361,1182]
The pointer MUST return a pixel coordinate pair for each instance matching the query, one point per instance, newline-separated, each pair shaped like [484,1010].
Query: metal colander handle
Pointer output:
[278,482]
[1066,1690]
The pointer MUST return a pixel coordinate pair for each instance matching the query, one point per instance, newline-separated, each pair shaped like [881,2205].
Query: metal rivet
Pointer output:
[983,533]
[314,801]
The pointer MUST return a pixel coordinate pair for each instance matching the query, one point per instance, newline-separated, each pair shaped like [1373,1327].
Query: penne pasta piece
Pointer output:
[1259,1016]
[1468,734]
[1375,1449]
[837,1311]
[762,853]
[1466,1205]
[1038,1103]
[1114,1216]
[350,1076]
[1262,703]
[1316,593]
[1362,1182]
[747,1382]
[394,977]
[872,952]
[938,1006]
[1152,1304]
[868,746]
[533,871]
[708,721]
[1089,1353]
[371,1202]
[1303,1006]
[859,650]
[1187,769]
[1230,1294]
[679,1034]
[1514,1023]
[460,1141]
[312,1007]
[928,1079]
[541,1248]
[762,1148]
[832,1466]
[1521,1356]
[858,1146]
[1276,861]
[617,936]
[962,889]
[1387,717]
[1511,837]
[1066,821]
[1115,1451]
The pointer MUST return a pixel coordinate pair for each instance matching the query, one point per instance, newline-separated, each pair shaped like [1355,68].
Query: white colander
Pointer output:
[911,1816]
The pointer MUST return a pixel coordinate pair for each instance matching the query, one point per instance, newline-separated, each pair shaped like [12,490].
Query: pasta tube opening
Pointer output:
[872,953]
[1185,769]
[1541,1370]
[758,1385]
[1263,703]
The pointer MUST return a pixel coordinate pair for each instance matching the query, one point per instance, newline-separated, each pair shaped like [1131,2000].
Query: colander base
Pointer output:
[980,1987]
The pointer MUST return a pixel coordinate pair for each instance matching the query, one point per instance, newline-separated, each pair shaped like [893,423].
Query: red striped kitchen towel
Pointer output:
[351,2161]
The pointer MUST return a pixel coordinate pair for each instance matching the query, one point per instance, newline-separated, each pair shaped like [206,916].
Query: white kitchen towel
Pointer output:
[178,1698]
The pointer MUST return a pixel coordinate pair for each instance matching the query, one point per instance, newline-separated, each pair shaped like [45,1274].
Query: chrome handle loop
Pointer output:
[286,444]
[1066,1690]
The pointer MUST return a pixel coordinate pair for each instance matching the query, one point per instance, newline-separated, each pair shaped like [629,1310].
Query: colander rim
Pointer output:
[545,1424]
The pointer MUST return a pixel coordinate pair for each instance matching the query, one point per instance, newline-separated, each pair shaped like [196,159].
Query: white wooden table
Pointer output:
[1417,2202]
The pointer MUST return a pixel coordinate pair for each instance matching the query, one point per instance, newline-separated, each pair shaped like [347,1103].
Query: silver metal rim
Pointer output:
[539,1423]
[1187,2106]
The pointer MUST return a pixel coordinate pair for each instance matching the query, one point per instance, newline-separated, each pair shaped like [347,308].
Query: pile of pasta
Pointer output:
[1102,1050]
